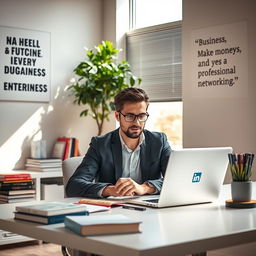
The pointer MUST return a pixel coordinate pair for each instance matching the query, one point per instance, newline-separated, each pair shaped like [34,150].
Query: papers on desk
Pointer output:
[95,208]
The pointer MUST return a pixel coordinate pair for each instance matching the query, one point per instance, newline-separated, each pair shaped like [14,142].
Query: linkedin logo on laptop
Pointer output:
[196,177]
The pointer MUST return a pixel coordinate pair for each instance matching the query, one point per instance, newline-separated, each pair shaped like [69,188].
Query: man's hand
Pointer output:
[128,187]
[109,191]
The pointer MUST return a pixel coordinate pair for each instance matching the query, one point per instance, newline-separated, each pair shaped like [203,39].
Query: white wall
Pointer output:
[219,121]
[109,34]
[224,120]
[73,24]
[109,20]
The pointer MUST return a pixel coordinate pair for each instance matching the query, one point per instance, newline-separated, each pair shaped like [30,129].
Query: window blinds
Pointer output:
[154,54]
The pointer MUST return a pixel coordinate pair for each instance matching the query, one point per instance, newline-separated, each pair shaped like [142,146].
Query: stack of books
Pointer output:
[49,212]
[44,165]
[16,187]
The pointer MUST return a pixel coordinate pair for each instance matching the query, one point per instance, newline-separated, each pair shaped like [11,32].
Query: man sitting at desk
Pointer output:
[126,161]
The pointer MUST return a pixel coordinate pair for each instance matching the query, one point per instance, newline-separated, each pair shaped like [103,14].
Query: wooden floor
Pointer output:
[31,249]
[48,249]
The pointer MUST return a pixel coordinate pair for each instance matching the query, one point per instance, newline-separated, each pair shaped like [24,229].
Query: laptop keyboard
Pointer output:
[152,200]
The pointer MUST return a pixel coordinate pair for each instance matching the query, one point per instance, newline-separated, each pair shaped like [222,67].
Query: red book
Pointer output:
[67,147]
[15,176]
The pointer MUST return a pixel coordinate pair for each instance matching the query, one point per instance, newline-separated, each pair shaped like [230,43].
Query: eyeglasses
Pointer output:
[131,117]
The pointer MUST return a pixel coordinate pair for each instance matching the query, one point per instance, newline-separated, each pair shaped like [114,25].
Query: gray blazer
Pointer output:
[103,163]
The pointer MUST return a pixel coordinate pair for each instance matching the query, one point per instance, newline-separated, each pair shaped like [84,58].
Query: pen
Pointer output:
[134,208]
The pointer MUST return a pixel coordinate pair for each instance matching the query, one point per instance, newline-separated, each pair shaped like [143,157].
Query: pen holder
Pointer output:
[241,191]
[241,169]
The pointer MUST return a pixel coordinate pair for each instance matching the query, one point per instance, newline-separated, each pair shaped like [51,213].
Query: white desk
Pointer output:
[169,231]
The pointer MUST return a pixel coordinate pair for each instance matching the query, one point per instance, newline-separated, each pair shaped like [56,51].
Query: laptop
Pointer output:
[193,176]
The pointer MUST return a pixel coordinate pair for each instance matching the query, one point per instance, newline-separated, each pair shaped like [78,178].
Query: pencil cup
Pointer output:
[241,169]
[241,191]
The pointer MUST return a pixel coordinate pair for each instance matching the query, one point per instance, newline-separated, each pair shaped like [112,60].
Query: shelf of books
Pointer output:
[16,188]
[19,186]
[39,178]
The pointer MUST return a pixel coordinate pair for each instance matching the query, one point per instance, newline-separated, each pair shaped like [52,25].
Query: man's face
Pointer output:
[135,128]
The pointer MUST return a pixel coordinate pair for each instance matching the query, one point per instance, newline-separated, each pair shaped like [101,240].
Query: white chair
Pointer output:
[69,166]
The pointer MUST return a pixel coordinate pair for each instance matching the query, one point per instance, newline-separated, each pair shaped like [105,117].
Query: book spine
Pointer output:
[14,181]
[30,211]
[6,189]
[72,226]
[12,184]
[72,147]
[15,178]
[17,200]
[44,165]
[60,218]
[46,220]
[67,147]
[45,213]
[18,192]
[76,150]
[21,175]
[46,160]
[9,197]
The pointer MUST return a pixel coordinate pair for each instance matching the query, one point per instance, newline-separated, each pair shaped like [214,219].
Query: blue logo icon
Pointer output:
[196,177]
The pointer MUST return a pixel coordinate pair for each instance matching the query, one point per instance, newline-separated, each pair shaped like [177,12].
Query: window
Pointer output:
[147,13]
[166,117]
[154,53]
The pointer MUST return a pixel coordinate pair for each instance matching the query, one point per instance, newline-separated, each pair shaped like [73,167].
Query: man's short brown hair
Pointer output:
[131,94]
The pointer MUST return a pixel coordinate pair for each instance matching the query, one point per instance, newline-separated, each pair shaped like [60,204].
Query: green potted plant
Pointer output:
[241,171]
[100,78]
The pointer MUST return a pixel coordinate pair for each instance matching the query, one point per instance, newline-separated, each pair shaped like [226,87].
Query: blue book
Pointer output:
[46,219]
[102,224]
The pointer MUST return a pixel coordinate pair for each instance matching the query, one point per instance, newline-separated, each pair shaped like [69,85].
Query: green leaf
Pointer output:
[84,113]
[132,81]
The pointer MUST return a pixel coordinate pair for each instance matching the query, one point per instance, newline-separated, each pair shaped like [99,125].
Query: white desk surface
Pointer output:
[168,231]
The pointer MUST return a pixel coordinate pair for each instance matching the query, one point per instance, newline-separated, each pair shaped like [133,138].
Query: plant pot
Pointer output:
[241,191]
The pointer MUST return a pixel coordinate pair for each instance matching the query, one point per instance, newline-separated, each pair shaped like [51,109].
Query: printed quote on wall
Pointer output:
[25,65]
[220,61]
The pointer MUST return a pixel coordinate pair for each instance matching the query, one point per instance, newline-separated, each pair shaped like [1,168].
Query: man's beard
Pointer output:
[133,135]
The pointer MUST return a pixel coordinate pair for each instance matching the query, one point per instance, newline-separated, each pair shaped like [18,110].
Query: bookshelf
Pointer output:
[38,177]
